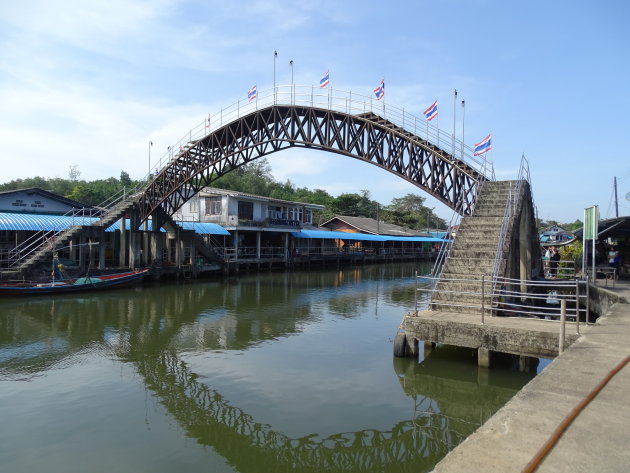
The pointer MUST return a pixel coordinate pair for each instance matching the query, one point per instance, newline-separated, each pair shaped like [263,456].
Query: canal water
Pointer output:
[269,372]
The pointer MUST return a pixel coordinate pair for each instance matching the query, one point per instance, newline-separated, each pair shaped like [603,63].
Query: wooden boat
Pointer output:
[88,283]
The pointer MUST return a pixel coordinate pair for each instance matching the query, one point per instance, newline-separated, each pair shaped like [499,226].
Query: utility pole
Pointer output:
[616,203]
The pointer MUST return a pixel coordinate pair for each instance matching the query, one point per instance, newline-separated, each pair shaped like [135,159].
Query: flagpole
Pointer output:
[292,97]
[150,145]
[275,55]
[454,115]
[463,117]
[383,83]
[438,129]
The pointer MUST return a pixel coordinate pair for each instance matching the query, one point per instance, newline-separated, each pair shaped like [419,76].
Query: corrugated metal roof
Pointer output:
[336,235]
[319,234]
[412,238]
[38,223]
[204,228]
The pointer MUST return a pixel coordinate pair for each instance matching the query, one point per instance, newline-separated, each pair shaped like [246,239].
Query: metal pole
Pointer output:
[463,117]
[616,203]
[595,235]
[577,306]
[588,301]
[584,268]
[483,302]
[275,55]
[150,145]
[563,316]
[292,92]
[416,293]
[454,115]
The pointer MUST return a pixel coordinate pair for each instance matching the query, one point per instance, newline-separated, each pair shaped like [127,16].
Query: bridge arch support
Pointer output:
[364,136]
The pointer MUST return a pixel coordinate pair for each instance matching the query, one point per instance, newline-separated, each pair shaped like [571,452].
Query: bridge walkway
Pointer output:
[597,440]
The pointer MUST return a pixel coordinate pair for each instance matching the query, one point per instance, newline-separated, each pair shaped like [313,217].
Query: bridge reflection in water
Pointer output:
[154,329]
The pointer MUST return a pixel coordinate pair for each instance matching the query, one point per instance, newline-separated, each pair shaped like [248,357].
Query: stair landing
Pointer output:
[518,336]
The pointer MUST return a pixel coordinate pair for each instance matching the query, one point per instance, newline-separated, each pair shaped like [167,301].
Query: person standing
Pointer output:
[554,259]
[613,261]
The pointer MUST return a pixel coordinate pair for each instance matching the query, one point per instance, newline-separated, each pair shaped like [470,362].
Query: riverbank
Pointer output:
[598,438]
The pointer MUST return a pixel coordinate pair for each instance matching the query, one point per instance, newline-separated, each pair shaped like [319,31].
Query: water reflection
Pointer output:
[153,328]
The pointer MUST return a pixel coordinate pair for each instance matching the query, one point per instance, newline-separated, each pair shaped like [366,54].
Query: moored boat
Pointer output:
[87,283]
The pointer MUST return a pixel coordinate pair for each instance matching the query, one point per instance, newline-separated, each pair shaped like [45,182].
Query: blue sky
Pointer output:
[89,83]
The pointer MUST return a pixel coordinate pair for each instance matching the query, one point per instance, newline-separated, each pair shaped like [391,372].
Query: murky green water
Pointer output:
[272,372]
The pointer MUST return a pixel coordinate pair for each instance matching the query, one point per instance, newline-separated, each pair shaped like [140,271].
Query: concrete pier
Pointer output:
[598,438]
[525,337]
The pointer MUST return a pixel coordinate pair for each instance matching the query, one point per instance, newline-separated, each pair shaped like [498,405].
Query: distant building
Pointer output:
[260,227]
[555,234]
[36,201]
[366,236]
[345,223]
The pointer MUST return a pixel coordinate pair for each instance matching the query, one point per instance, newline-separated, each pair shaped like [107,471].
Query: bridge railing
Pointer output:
[534,299]
[329,99]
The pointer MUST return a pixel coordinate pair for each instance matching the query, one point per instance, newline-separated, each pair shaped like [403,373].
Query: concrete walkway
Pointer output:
[599,438]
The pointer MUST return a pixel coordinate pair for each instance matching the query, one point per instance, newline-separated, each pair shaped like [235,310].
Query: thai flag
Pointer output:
[325,80]
[380,90]
[483,146]
[252,94]
[431,112]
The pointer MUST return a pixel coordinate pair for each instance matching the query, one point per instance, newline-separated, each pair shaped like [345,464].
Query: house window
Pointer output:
[213,205]
[245,210]
[307,217]
[274,212]
[194,204]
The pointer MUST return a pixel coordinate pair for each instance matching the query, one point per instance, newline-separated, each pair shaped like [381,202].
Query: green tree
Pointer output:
[410,211]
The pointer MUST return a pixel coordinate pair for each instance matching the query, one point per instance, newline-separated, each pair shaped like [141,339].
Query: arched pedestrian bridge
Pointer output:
[295,117]
[304,117]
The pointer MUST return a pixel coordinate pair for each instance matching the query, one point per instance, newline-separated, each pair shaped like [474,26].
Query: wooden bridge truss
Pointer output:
[365,136]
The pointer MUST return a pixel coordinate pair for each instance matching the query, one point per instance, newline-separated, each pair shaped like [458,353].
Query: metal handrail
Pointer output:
[328,99]
[507,215]
[33,243]
[514,301]
[511,206]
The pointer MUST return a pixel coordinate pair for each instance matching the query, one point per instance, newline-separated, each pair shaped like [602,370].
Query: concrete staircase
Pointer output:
[201,246]
[474,251]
